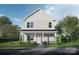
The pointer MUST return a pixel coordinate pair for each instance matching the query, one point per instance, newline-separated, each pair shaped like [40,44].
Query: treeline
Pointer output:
[68,28]
[8,31]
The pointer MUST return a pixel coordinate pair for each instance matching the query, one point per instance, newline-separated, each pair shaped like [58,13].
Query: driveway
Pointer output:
[39,51]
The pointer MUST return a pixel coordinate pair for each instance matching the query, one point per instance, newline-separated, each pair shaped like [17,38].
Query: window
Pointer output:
[30,37]
[29,24]
[50,24]
[49,35]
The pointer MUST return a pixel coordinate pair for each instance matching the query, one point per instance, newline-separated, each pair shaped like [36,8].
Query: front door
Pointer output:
[39,38]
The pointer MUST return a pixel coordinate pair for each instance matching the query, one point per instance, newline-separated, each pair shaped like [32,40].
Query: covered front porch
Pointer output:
[39,36]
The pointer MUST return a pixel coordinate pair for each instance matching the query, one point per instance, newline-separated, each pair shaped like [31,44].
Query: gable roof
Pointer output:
[32,14]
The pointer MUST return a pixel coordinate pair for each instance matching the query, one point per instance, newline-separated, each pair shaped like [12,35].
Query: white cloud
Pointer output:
[16,19]
[59,11]
[49,9]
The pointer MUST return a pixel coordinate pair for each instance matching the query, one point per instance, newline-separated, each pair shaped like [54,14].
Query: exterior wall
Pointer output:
[45,39]
[34,39]
[38,40]
[25,37]
[40,20]
[51,39]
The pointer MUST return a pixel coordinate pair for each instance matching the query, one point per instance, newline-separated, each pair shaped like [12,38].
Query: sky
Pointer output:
[17,12]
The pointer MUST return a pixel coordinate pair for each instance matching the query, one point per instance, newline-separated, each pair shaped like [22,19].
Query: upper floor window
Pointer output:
[29,24]
[50,24]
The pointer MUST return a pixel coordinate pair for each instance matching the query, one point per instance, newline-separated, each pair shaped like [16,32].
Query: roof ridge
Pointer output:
[32,13]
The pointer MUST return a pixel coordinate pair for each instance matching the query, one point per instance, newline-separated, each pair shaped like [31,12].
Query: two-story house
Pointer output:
[39,27]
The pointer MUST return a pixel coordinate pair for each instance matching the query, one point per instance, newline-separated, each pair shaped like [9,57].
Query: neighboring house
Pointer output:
[39,27]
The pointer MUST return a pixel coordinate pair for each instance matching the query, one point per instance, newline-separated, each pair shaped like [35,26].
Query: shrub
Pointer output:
[45,43]
[63,39]
[33,44]
[20,42]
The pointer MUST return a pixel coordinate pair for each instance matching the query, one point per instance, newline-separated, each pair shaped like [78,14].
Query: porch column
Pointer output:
[35,37]
[48,39]
[42,38]
[55,37]
[22,37]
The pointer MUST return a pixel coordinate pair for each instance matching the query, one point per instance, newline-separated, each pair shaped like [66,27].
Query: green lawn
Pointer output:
[17,44]
[10,44]
[64,45]
[71,44]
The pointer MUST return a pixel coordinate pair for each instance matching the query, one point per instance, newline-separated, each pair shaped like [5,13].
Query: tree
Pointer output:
[7,29]
[58,28]
[11,32]
[69,25]
[4,20]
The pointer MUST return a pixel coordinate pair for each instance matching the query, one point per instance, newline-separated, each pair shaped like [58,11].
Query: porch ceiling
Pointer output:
[38,31]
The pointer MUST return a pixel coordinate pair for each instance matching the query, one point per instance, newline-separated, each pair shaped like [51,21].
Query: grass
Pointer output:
[74,44]
[71,44]
[18,44]
[56,45]
[10,44]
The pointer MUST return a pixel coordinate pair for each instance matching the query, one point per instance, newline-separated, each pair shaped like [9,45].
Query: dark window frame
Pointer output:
[50,24]
[30,37]
[29,24]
